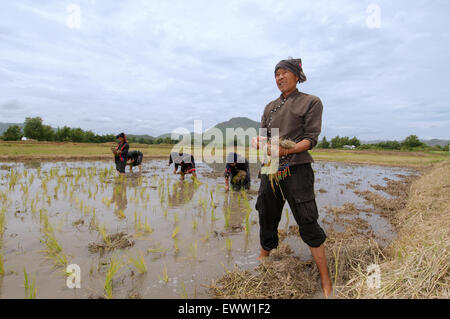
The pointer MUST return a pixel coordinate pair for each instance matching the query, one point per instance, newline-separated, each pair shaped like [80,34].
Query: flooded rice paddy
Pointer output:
[149,235]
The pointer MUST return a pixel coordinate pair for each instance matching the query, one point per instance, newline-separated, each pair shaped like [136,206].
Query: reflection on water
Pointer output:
[119,197]
[182,193]
[211,228]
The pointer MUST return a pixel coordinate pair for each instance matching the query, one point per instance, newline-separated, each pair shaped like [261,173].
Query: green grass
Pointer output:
[30,150]
[47,150]
[391,158]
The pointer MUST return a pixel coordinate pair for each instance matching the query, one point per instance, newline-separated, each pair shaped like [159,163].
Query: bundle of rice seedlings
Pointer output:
[272,168]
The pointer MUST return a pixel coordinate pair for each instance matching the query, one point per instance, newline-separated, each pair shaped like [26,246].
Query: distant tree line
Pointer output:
[35,129]
[411,142]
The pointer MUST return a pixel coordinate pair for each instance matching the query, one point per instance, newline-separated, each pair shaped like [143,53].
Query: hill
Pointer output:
[4,126]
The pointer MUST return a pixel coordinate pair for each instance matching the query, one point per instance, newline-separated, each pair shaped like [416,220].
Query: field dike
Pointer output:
[414,265]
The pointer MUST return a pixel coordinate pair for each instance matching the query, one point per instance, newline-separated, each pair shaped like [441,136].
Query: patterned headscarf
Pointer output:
[293,65]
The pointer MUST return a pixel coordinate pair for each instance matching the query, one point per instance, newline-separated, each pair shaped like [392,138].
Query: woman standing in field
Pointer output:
[297,117]
[121,153]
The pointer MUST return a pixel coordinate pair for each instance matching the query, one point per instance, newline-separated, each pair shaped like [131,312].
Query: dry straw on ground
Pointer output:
[415,265]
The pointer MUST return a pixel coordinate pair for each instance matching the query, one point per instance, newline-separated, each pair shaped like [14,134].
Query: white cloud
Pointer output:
[149,67]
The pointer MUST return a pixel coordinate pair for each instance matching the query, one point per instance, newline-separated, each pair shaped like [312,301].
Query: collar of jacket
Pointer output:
[292,94]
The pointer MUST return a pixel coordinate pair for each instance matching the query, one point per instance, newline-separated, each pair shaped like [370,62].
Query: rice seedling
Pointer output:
[227,216]
[121,214]
[114,266]
[147,228]
[139,263]
[228,244]
[175,218]
[193,249]
[176,246]
[54,250]
[194,224]
[156,250]
[247,222]
[31,179]
[140,226]
[183,292]
[212,200]
[13,179]
[175,232]
[205,238]
[213,215]
[24,189]
[30,288]
[165,275]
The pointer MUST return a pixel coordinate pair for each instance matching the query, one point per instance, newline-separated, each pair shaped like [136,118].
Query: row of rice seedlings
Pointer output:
[114,266]
[139,263]
[30,287]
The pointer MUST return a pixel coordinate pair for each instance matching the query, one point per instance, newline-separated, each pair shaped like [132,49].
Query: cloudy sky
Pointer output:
[381,68]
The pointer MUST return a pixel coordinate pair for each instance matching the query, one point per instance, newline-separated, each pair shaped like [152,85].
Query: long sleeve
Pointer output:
[313,122]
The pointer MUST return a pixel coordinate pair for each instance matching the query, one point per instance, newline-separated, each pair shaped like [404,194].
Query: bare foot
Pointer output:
[263,254]
[327,287]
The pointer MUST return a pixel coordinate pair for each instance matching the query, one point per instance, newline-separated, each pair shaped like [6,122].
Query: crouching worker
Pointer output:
[238,171]
[121,153]
[135,159]
[295,176]
[185,162]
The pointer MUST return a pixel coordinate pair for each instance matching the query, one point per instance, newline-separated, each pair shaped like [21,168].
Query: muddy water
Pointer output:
[80,197]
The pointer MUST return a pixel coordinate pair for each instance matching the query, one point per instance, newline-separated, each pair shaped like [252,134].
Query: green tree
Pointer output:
[412,141]
[354,141]
[77,135]
[13,133]
[446,147]
[47,133]
[33,128]
[63,134]
[324,143]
